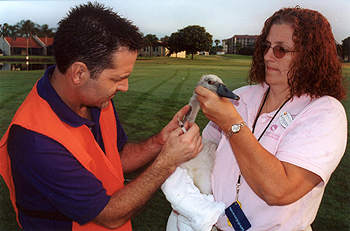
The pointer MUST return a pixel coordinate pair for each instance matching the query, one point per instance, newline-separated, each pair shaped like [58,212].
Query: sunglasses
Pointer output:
[278,51]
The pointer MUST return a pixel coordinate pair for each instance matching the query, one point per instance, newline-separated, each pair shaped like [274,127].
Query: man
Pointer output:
[65,152]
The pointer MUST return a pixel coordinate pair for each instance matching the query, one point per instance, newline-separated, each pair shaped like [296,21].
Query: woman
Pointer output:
[279,144]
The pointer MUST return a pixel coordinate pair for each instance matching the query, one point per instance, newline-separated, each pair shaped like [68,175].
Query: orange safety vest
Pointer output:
[35,114]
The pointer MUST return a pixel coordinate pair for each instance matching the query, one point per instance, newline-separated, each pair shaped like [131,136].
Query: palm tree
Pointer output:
[7,30]
[45,31]
[13,32]
[151,41]
[4,30]
[27,29]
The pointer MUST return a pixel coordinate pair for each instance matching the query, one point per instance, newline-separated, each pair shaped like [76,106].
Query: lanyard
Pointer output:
[254,124]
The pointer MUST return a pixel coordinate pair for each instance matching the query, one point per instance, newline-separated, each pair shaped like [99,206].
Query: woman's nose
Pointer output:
[269,54]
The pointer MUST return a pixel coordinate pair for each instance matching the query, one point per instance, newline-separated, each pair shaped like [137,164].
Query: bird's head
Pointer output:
[215,84]
[210,82]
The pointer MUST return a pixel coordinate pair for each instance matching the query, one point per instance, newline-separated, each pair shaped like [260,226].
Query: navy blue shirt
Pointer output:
[46,175]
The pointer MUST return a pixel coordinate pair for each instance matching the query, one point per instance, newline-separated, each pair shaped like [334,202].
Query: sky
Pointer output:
[222,19]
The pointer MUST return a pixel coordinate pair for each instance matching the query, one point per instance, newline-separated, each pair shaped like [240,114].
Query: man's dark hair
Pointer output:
[91,33]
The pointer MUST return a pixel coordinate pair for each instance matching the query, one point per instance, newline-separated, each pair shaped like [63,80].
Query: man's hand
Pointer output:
[180,147]
[163,136]
[176,148]
[124,203]
[134,156]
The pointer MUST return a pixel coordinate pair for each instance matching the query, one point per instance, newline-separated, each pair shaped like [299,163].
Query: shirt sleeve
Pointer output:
[42,165]
[316,139]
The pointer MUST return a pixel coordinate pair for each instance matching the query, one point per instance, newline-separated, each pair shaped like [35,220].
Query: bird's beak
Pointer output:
[224,92]
[217,84]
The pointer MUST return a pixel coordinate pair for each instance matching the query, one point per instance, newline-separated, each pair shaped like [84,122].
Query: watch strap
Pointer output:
[230,132]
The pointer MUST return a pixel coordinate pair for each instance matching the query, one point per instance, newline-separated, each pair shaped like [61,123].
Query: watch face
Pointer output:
[236,128]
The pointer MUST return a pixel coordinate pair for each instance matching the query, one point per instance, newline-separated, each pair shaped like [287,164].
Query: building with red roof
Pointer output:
[48,42]
[26,46]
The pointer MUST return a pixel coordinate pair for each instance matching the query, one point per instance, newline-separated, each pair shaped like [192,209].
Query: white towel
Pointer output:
[199,211]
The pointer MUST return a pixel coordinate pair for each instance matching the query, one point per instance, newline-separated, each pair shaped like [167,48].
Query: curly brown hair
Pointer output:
[316,69]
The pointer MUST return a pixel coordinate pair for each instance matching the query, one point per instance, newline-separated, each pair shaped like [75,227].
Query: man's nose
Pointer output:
[123,85]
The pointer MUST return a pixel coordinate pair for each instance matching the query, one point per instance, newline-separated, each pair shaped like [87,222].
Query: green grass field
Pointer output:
[159,87]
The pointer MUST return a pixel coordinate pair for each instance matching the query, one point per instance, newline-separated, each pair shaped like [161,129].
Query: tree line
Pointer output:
[194,38]
[191,39]
[344,49]
[26,28]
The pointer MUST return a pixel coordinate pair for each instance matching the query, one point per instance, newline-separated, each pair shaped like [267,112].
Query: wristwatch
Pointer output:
[235,128]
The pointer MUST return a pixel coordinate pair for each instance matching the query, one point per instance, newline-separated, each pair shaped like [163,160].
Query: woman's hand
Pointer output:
[220,110]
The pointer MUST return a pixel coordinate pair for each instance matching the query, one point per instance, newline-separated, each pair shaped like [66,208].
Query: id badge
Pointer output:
[237,218]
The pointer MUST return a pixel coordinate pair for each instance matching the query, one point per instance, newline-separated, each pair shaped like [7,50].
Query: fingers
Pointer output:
[195,146]
[205,95]
[193,129]
[187,125]
[199,90]
[177,132]
[193,136]
[181,147]
[182,112]
[204,92]
[174,124]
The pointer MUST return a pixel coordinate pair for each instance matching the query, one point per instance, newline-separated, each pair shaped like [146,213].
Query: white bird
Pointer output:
[201,166]
[189,191]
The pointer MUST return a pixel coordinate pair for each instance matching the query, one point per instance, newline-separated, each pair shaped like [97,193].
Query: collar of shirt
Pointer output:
[48,93]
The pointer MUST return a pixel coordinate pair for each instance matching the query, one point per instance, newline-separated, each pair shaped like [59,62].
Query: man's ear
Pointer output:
[79,73]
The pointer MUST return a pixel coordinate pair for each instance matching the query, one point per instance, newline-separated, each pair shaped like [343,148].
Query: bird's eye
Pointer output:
[210,82]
